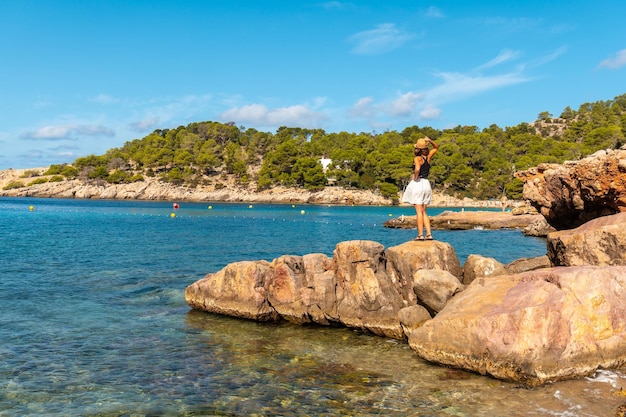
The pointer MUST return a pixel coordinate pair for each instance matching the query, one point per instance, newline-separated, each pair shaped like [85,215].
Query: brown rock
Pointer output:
[601,241]
[287,282]
[302,288]
[535,327]
[435,287]
[239,289]
[366,297]
[539,227]
[464,220]
[573,193]
[360,287]
[407,258]
[477,266]
[528,264]
[413,317]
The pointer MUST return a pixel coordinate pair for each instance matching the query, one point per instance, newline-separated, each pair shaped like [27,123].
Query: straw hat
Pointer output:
[421,144]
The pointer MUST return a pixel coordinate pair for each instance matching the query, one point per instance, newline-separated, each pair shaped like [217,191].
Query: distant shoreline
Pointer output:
[152,189]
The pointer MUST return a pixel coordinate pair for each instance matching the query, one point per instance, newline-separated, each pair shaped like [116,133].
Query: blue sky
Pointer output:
[81,77]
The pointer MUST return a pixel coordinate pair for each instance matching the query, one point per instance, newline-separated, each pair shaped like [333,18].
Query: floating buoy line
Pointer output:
[177,213]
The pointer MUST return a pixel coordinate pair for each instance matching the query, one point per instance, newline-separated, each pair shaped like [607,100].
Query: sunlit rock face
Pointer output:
[601,241]
[363,286]
[575,192]
[533,327]
[554,317]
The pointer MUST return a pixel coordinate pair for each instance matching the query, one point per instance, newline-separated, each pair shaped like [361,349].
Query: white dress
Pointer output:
[418,192]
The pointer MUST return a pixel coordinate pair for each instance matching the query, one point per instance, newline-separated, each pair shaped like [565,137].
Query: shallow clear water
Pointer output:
[94,321]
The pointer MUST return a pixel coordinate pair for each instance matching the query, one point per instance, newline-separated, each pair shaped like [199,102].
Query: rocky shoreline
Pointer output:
[531,224]
[533,321]
[153,189]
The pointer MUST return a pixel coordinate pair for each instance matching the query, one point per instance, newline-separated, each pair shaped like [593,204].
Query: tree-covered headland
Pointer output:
[471,162]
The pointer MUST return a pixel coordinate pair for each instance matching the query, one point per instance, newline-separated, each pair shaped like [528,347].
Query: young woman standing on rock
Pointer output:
[418,192]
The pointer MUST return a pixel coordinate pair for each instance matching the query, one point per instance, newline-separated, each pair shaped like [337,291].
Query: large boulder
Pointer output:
[407,258]
[534,327]
[362,286]
[601,241]
[575,192]
[240,289]
[301,290]
[366,297]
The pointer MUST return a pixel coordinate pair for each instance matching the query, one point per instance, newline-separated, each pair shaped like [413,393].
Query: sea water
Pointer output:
[93,320]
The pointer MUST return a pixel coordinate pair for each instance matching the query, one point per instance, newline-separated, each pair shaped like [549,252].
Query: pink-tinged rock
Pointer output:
[239,289]
[405,259]
[601,241]
[302,289]
[366,297]
[534,327]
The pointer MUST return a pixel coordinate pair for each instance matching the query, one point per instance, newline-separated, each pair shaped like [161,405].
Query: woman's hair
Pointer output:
[420,151]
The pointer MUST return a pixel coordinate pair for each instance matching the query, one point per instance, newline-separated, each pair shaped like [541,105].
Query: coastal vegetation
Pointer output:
[471,163]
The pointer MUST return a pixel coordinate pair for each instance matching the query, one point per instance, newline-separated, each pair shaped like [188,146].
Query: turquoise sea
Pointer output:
[93,320]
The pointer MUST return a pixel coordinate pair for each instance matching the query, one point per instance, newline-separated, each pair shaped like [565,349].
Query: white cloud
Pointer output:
[425,104]
[504,56]
[616,62]
[429,112]
[364,107]
[384,38]
[259,114]
[401,107]
[549,58]
[67,131]
[455,85]
[144,125]
[405,104]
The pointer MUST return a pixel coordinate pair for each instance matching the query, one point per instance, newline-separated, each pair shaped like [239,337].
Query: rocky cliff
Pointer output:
[572,193]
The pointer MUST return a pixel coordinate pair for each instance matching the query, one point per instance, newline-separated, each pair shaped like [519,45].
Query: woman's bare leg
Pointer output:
[419,213]
[426,220]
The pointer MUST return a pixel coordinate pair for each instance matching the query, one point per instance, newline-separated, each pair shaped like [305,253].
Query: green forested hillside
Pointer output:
[471,162]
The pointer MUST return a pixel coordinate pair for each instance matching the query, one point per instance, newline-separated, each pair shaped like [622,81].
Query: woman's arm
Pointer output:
[417,162]
[434,149]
